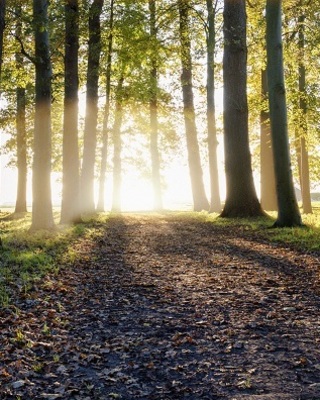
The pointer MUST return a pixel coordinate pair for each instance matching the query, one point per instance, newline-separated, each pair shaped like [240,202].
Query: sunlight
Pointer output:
[137,192]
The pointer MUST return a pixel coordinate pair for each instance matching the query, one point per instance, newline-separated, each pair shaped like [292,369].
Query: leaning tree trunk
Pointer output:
[21,200]
[303,156]
[117,147]
[241,198]
[267,178]
[70,206]
[105,135]
[153,106]
[42,216]
[215,203]
[200,201]
[288,214]
[90,128]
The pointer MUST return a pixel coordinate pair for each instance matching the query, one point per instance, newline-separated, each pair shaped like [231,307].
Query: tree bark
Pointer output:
[241,198]
[153,106]
[70,206]
[117,147]
[215,202]
[105,132]
[21,200]
[42,216]
[288,214]
[268,184]
[303,131]
[200,201]
[90,128]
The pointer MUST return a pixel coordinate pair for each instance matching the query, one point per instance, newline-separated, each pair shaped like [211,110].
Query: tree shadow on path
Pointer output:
[158,308]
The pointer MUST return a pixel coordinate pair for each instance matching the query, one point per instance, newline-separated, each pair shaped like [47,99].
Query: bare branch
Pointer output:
[23,51]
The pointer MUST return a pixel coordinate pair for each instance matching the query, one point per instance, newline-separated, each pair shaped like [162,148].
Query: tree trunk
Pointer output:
[200,201]
[303,153]
[2,27]
[117,146]
[288,214]
[241,198]
[105,136]
[90,128]
[21,200]
[42,216]
[70,206]
[305,177]
[153,105]
[268,184]
[215,203]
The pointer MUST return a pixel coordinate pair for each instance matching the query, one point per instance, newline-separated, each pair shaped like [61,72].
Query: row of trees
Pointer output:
[133,53]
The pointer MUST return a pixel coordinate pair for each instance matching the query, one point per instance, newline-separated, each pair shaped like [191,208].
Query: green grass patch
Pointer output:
[27,257]
[306,238]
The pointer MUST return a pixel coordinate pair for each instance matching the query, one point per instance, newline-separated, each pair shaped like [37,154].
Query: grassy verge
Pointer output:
[26,258]
[306,238]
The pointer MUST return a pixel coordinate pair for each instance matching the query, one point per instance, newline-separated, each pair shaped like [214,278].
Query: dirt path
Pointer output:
[167,308]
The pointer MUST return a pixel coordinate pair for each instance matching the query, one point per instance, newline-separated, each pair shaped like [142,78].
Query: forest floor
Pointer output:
[161,307]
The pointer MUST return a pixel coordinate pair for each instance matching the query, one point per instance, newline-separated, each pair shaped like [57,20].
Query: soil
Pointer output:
[162,307]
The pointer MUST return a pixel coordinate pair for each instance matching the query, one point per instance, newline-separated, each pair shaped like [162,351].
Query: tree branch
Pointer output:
[23,51]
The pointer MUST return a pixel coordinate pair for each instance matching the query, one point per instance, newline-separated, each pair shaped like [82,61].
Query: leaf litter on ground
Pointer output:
[164,307]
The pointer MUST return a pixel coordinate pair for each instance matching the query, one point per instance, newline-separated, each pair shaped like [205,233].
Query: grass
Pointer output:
[305,238]
[26,258]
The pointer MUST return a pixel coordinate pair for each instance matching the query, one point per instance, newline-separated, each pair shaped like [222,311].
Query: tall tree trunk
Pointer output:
[2,27]
[70,206]
[303,151]
[215,202]
[90,128]
[268,184]
[153,105]
[42,216]
[241,198]
[305,177]
[117,147]
[105,136]
[200,201]
[288,214]
[21,200]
